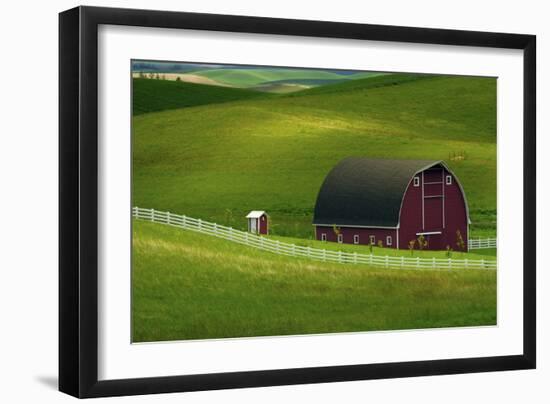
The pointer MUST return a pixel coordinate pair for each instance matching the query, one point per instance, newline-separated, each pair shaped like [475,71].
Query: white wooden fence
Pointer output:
[278,247]
[479,243]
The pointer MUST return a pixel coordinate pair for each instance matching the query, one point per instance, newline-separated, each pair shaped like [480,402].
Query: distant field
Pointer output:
[186,77]
[234,152]
[191,286]
[254,77]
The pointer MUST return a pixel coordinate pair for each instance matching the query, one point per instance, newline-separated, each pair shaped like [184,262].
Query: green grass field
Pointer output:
[221,159]
[190,286]
[151,95]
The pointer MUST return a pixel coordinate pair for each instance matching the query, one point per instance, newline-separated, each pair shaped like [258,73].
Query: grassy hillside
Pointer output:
[219,161]
[150,95]
[280,87]
[191,286]
[364,83]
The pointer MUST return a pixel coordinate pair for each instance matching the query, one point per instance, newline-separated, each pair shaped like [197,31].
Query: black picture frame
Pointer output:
[78,205]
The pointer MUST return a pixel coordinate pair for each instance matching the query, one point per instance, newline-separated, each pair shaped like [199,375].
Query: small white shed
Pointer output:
[257,222]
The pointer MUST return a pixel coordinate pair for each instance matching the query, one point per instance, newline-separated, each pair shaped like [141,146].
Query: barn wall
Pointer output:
[411,214]
[455,214]
[364,233]
[445,212]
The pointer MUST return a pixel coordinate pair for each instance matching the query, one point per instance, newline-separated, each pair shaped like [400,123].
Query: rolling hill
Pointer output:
[264,76]
[217,161]
[364,83]
[150,95]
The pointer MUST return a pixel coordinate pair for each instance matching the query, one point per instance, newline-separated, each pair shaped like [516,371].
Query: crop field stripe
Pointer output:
[282,248]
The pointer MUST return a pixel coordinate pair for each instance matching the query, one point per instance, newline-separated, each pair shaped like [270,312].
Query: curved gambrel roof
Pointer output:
[368,192]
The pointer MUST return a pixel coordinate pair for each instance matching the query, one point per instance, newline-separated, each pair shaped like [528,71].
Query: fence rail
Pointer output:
[479,243]
[293,250]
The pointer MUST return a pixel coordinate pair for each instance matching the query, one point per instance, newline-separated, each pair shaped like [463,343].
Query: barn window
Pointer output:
[372,239]
[416,181]
[323,236]
[340,238]
[356,239]
[448,180]
[388,240]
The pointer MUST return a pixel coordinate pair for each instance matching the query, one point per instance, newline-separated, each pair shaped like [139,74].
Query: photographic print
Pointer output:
[272,201]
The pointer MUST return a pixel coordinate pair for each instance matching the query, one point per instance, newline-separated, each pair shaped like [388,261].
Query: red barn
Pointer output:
[257,222]
[364,200]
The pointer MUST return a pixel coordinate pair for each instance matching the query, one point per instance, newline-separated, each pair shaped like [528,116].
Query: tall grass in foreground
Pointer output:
[191,286]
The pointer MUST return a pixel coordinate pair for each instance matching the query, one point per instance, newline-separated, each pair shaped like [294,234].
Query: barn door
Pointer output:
[433,213]
[435,242]
[433,191]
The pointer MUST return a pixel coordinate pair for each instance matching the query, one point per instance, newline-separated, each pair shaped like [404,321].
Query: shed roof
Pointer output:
[254,214]
[366,192]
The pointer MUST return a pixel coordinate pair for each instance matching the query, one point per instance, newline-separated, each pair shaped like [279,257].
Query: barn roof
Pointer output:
[254,214]
[366,192]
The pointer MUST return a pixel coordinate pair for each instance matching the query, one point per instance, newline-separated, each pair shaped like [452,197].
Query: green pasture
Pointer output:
[187,285]
[216,157]
[150,95]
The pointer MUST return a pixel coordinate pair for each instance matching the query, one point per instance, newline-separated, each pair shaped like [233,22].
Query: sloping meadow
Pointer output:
[192,286]
[216,153]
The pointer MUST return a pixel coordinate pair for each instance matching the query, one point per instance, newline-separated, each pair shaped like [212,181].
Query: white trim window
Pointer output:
[448,180]
[389,240]
[323,236]
[340,238]
[372,239]
[356,239]
[416,181]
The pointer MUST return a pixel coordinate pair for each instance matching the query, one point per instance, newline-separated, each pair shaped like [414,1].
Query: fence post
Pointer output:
[152,215]
[340,256]
[216,229]
[355,257]
[324,255]
[482,263]
[184,221]
[387,262]
[370,259]
[200,224]
[449,263]
[433,262]
[402,262]
[418,262]
[168,217]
